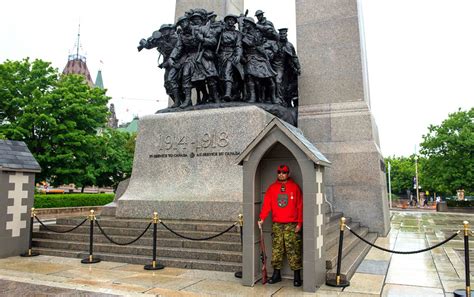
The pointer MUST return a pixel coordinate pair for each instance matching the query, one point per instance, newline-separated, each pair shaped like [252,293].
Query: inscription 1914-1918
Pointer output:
[183,142]
[180,146]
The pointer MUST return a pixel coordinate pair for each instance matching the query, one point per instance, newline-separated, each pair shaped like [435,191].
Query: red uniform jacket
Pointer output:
[286,206]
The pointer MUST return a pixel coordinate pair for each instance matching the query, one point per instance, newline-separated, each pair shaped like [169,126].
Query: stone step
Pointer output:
[143,260]
[332,217]
[161,233]
[198,254]
[146,240]
[353,259]
[350,241]
[176,225]
[221,254]
[332,238]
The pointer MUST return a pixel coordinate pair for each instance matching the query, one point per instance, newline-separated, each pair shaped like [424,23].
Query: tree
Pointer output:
[449,149]
[115,162]
[401,173]
[22,84]
[57,116]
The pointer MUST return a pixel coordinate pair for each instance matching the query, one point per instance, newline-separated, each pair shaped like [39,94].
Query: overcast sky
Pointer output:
[420,54]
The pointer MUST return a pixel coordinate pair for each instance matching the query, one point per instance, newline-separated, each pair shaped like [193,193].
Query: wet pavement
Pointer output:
[433,273]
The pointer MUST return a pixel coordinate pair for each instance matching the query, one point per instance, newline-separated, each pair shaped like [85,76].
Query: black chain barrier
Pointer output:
[56,231]
[197,239]
[122,243]
[404,252]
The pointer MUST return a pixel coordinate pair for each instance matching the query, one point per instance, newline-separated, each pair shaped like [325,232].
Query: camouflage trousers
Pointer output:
[285,240]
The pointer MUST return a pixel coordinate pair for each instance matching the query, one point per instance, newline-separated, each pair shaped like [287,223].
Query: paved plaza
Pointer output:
[435,273]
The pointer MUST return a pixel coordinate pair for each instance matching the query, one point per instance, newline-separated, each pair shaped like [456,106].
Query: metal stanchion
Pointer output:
[154,265]
[238,274]
[341,280]
[30,244]
[91,259]
[467,291]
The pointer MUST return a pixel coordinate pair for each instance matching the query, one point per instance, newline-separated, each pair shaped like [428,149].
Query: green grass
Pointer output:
[71,200]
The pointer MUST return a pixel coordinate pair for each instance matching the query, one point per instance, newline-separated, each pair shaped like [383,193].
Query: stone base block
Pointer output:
[184,164]
[183,210]
[347,135]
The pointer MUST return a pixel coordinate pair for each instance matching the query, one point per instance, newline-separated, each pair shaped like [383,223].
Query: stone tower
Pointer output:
[76,63]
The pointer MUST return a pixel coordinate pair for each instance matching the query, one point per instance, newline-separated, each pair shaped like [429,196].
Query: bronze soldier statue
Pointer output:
[265,26]
[229,50]
[256,62]
[164,40]
[216,27]
[194,48]
[287,66]
[253,63]
[165,46]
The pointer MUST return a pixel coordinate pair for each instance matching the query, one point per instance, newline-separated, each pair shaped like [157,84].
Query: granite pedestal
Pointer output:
[184,164]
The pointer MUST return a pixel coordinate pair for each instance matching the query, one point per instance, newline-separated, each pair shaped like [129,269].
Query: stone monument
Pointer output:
[184,159]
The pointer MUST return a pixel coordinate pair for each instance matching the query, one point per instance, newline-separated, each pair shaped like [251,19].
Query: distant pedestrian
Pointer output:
[438,199]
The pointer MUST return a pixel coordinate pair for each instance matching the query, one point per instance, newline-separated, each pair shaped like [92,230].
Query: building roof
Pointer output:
[99,83]
[76,64]
[295,134]
[131,127]
[15,155]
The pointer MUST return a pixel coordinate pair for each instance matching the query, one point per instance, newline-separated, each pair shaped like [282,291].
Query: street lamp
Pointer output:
[389,186]
[416,177]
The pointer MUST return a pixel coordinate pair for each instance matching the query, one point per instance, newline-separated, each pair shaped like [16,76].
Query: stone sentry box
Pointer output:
[17,178]
[280,143]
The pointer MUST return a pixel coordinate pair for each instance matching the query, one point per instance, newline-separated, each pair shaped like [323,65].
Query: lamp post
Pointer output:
[416,177]
[389,186]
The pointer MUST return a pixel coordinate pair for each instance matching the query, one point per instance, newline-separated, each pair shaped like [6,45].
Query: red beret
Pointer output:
[283,168]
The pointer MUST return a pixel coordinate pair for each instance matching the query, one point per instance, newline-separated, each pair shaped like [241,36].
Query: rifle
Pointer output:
[263,257]
[240,20]
[219,42]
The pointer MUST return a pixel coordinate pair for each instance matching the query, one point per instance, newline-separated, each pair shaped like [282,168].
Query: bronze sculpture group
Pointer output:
[253,63]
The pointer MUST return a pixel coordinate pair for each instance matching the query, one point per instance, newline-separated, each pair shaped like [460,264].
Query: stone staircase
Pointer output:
[219,254]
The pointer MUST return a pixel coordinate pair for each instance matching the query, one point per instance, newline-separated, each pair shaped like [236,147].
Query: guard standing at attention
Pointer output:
[284,199]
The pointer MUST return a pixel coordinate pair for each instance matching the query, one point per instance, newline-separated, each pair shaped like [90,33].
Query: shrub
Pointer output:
[460,203]
[71,200]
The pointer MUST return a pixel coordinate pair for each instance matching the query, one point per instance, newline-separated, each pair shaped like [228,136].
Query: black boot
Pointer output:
[176,98]
[213,91]
[297,279]
[228,91]
[276,277]
[187,101]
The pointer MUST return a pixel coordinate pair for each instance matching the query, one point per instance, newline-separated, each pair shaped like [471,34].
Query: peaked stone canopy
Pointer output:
[291,132]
